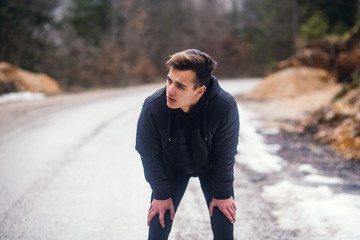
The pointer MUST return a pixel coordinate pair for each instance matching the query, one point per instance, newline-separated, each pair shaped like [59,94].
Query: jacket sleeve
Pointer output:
[148,144]
[223,152]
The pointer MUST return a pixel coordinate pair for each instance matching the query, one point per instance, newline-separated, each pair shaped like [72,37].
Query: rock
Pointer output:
[344,109]
[353,38]
[345,139]
[339,124]
[338,55]
[315,58]
[330,44]
[291,82]
[320,53]
[346,63]
[14,79]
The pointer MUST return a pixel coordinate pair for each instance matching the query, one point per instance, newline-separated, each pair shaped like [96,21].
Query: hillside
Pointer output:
[322,82]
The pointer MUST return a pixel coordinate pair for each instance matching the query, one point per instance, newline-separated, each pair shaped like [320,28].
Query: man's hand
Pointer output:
[160,207]
[226,206]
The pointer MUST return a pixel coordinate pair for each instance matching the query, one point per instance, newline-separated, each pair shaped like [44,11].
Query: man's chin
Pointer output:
[172,106]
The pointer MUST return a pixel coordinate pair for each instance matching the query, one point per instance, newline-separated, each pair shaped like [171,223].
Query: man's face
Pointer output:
[180,91]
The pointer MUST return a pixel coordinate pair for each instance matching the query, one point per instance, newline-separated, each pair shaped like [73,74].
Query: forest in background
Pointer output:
[91,43]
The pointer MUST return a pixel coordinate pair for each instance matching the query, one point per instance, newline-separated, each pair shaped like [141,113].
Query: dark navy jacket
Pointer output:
[205,139]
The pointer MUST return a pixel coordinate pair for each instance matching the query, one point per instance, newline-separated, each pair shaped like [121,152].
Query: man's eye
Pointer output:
[180,86]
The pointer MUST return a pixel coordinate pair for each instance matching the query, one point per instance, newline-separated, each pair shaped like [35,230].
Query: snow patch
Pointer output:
[307,168]
[20,96]
[317,213]
[315,178]
[254,152]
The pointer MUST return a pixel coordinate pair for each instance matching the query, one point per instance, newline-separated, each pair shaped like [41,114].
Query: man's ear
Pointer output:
[201,90]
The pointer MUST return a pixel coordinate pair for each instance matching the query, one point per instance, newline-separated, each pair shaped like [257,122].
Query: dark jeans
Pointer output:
[222,228]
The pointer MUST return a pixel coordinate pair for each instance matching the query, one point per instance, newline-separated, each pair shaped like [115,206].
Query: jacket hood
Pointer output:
[212,89]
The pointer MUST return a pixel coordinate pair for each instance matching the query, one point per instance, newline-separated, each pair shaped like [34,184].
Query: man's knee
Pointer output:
[156,231]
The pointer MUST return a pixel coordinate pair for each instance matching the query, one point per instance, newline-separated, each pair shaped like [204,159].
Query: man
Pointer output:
[189,129]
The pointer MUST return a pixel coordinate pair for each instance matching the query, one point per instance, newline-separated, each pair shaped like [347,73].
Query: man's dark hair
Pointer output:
[192,59]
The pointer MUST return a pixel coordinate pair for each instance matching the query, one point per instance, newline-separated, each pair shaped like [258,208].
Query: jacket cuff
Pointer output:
[161,195]
[223,195]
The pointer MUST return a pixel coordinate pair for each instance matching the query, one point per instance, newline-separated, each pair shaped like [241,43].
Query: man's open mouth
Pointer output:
[170,99]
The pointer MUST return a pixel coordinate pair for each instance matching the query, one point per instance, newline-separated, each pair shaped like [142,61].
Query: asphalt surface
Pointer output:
[68,170]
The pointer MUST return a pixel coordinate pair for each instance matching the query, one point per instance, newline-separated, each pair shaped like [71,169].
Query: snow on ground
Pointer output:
[20,96]
[307,168]
[316,212]
[254,152]
[315,178]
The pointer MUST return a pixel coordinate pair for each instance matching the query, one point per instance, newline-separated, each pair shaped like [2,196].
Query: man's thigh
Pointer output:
[221,226]
[178,184]
[205,182]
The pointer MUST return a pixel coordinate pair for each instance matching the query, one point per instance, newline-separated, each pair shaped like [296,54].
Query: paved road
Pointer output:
[68,170]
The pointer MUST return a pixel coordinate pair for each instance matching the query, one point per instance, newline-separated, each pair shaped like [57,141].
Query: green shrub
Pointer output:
[316,26]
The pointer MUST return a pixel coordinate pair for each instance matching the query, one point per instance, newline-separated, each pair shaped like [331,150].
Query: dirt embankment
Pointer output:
[340,56]
[316,90]
[14,79]
[338,124]
[291,95]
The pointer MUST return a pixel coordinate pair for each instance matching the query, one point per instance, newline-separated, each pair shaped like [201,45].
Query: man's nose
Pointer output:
[171,90]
